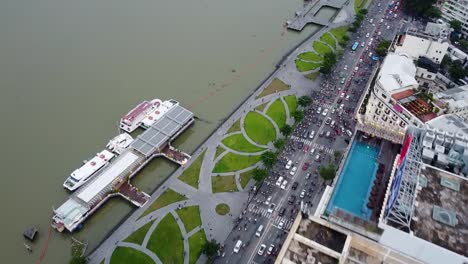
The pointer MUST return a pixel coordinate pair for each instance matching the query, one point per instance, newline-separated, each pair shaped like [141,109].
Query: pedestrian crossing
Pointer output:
[313,145]
[259,210]
[287,223]
[325,105]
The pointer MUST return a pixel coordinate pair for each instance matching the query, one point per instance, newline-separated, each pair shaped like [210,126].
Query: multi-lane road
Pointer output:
[271,206]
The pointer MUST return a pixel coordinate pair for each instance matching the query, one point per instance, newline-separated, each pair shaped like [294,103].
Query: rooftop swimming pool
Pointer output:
[355,181]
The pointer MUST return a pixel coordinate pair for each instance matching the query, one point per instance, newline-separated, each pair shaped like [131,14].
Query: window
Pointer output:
[429,76]
[384,96]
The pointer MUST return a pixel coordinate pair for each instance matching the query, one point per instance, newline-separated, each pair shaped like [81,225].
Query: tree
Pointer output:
[78,260]
[456,25]
[329,61]
[259,175]
[337,154]
[382,47]
[328,172]
[363,11]
[304,101]
[279,143]
[211,248]
[268,159]
[433,12]
[457,71]
[418,7]
[286,130]
[298,115]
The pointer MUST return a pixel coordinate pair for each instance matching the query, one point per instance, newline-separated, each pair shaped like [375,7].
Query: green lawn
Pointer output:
[291,101]
[275,86]
[222,209]
[190,216]
[313,76]
[125,255]
[310,56]
[192,173]
[321,48]
[359,4]
[303,66]
[239,143]
[166,198]
[196,243]
[138,236]
[261,107]
[219,150]
[233,162]
[258,128]
[277,112]
[166,241]
[245,178]
[327,38]
[339,32]
[235,127]
[223,184]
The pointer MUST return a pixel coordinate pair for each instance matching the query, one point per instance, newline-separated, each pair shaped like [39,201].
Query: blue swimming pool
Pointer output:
[354,182]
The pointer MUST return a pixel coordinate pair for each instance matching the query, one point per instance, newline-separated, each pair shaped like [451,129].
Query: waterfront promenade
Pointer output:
[215,226]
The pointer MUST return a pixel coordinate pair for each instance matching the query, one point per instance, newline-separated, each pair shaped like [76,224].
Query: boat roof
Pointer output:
[137,110]
[114,170]
[162,130]
[70,212]
[92,165]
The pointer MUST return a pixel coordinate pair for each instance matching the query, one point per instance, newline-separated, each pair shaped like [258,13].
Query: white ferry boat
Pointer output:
[81,175]
[120,143]
[133,119]
[158,112]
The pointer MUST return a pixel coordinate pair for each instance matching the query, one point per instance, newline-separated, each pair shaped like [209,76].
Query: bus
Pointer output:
[355,45]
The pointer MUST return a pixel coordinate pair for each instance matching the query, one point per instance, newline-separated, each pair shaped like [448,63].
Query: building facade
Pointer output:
[456,10]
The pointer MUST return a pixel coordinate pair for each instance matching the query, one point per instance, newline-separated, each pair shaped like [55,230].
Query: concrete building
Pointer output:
[455,100]
[438,30]
[457,54]
[393,101]
[416,44]
[456,10]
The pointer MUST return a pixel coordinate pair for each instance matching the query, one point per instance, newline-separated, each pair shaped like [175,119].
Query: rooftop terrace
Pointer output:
[442,210]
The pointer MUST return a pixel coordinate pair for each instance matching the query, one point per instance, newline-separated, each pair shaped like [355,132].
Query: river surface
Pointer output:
[70,69]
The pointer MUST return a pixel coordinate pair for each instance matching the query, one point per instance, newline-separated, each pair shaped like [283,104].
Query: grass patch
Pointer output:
[235,127]
[327,38]
[339,32]
[233,162]
[222,209]
[321,48]
[219,150]
[245,178]
[291,101]
[190,216]
[277,112]
[310,56]
[275,86]
[166,241]
[191,174]
[138,236]
[259,129]
[303,66]
[261,107]
[313,76]
[125,255]
[223,184]
[239,143]
[196,243]
[166,198]
[359,4]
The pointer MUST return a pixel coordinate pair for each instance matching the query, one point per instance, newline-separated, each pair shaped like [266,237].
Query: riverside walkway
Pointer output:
[307,14]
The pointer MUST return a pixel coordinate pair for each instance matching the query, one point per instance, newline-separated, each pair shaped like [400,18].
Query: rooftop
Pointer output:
[450,123]
[161,131]
[397,73]
[442,210]
[456,97]
[418,107]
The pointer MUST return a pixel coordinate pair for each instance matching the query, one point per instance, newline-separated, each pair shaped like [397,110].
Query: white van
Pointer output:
[332,123]
[328,134]
[238,246]
[259,231]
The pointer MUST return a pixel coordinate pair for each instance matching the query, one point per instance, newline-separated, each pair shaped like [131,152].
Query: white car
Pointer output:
[317,157]
[312,134]
[312,151]
[341,106]
[325,112]
[342,95]
[283,185]
[319,110]
[268,200]
[271,208]
[347,98]
[292,172]
[288,165]
[349,132]
[367,35]
[261,249]
[388,27]
[270,249]
[345,67]
[279,181]
[363,43]
[281,224]
[302,194]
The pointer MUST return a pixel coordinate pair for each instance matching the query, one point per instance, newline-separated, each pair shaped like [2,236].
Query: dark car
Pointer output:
[294,186]
[281,211]
[305,166]
[291,199]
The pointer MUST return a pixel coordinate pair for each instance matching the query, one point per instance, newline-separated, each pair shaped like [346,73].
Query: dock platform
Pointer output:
[307,14]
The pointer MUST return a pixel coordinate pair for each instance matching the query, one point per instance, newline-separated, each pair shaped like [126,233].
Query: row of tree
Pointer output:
[422,8]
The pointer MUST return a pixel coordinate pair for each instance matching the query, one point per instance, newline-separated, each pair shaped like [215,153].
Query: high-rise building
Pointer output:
[456,10]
